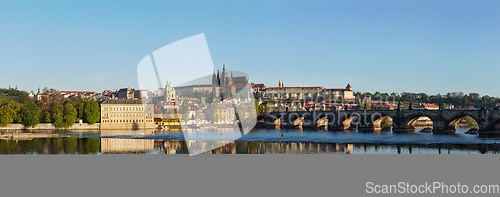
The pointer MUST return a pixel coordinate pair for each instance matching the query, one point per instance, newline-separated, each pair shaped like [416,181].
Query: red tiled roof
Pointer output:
[260,85]
[158,110]
[278,88]
[429,105]
[78,92]
[331,90]
[240,85]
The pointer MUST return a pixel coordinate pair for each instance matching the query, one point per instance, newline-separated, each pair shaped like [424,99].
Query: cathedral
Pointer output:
[223,82]
[222,79]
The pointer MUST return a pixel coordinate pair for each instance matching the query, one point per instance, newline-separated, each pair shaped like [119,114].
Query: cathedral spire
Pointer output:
[231,73]
[214,79]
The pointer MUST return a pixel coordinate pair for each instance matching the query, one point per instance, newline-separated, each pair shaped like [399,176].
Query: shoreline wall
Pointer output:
[50,126]
[81,126]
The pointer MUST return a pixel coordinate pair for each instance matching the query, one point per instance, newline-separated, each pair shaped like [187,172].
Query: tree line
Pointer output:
[52,107]
[456,98]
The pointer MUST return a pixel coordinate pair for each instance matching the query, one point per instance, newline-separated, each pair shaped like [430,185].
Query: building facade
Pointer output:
[283,92]
[126,114]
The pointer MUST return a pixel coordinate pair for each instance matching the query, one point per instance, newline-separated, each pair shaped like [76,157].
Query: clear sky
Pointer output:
[388,46]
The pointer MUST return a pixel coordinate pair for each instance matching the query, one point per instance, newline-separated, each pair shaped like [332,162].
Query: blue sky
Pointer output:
[387,46]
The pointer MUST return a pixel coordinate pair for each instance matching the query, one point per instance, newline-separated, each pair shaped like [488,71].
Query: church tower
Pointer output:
[169,92]
[230,79]
[348,87]
[215,81]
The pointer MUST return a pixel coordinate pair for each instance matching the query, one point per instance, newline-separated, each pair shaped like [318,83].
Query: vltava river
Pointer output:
[258,141]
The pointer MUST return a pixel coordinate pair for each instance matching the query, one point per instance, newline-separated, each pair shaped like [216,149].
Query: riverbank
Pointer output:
[27,136]
[50,126]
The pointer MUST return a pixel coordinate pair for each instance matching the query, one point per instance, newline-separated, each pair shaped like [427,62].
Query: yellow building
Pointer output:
[126,114]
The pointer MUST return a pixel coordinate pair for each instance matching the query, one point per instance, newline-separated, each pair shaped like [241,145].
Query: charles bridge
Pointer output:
[444,121]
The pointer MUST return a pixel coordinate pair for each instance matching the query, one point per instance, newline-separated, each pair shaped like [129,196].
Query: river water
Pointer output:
[257,141]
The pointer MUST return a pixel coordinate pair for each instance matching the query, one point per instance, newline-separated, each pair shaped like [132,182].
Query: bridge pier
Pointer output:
[291,121]
[440,126]
[271,122]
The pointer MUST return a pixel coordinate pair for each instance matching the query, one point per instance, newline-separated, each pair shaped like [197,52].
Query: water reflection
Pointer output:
[61,145]
[126,146]
[71,145]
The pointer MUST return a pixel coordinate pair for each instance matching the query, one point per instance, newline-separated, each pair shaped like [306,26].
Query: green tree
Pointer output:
[69,114]
[81,109]
[47,117]
[257,95]
[386,122]
[57,114]
[364,106]
[29,115]
[9,113]
[91,112]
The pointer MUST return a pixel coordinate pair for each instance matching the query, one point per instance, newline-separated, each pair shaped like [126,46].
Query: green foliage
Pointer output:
[386,122]
[29,115]
[47,117]
[364,106]
[261,108]
[69,114]
[91,112]
[257,95]
[468,120]
[9,113]
[81,109]
[13,94]
[57,114]
[456,98]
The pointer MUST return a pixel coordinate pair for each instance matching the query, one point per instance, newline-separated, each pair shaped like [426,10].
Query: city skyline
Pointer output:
[385,46]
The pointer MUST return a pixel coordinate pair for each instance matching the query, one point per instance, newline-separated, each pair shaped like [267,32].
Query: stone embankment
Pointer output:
[27,136]
[50,126]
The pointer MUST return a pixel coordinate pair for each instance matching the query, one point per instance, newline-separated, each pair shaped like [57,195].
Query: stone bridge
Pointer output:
[369,120]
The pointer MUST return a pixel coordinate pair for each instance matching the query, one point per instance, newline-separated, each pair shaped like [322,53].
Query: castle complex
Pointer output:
[222,83]
[283,92]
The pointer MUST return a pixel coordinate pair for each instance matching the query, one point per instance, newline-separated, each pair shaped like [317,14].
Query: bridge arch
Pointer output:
[348,121]
[378,123]
[452,123]
[411,121]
